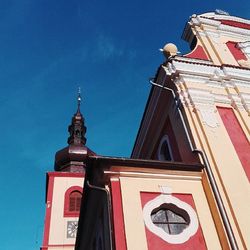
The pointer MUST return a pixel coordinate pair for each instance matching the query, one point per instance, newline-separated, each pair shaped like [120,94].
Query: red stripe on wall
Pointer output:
[48,210]
[198,53]
[66,174]
[236,52]
[237,136]
[118,218]
[236,24]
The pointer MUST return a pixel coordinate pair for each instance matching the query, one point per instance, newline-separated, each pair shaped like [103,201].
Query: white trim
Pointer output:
[245,47]
[150,175]
[224,17]
[169,199]
[213,20]
[165,138]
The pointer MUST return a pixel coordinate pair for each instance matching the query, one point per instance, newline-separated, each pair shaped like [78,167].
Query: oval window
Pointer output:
[170,218]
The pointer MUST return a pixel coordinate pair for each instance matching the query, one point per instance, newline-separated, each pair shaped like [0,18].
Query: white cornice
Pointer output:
[203,20]
[218,98]
[215,35]
[196,70]
[224,17]
[199,96]
[237,73]
[233,29]
[193,60]
[189,68]
[205,98]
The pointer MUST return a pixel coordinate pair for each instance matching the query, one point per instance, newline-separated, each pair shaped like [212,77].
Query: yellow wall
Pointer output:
[58,225]
[179,183]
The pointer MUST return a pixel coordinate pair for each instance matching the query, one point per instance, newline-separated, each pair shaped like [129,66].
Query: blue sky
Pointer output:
[48,49]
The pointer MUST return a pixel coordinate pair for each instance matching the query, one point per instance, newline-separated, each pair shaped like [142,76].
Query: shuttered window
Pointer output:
[75,201]
[72,201]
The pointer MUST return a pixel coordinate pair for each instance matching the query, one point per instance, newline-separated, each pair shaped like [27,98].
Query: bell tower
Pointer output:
[64,187]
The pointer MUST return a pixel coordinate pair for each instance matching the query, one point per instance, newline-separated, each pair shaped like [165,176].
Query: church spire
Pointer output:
[77,128]
[72,158]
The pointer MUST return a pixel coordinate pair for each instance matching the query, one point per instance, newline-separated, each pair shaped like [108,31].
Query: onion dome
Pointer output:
[72,158]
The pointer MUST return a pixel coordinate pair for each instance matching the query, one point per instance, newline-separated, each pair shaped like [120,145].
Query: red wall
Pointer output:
[196,242]
[237,136]
[197,53]
[118,218]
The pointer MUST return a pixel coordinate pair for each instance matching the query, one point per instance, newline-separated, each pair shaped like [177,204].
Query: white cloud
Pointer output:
[106,48]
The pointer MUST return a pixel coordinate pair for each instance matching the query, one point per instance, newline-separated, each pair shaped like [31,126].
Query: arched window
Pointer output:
[75,198]
[72,201]
[164,149]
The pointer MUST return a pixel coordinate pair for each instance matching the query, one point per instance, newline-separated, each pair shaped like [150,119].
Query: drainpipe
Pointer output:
[108,206]
[208,169]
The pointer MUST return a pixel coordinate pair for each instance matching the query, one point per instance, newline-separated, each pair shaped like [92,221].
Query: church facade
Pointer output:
[186,185]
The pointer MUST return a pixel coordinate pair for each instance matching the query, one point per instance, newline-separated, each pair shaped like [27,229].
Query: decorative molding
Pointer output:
[165,189]
[193,60]
[202,71]
[245,47]
[200,96]
[236,30]
[184,98]
[224,17]
[215,34]
[169,68]
[237,73]
[194,79]
[241,84]
[210,76]
[208,115]
[245,100]
[218,75]
[204,101]
[178,80]
[211,19]
[214,84]
[223,99]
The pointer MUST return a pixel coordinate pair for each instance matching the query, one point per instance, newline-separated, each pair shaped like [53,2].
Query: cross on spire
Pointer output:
[79,99]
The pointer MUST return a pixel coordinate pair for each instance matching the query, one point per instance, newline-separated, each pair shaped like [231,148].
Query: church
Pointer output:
[186,184]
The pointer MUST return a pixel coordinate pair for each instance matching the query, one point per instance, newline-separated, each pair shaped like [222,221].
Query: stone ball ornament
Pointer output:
[169,49]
